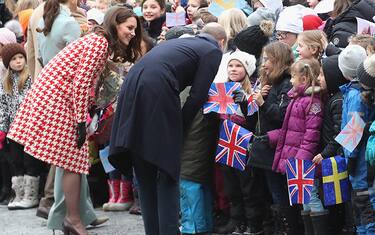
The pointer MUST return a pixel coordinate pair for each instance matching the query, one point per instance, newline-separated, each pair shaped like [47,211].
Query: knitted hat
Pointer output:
[350,58]
[178,31]
[15,27]
[248,61]
[324,6]
[311,22]
[260,14]
[366,72]
[96,15]
[290,20]
[332,73]
[254,38]
[7,36]
[10,50]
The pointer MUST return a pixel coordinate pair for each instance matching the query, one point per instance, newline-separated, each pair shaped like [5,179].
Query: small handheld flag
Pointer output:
[232,145]
[351,135]
[335,181]
[220,98]
[300,177]
[175,19]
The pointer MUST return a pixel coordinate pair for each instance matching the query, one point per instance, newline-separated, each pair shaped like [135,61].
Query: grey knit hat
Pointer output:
[366,72]
[260,14]
[350,58]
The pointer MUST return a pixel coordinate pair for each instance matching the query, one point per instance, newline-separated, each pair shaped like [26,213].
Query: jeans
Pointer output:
[315,204]
[278,187]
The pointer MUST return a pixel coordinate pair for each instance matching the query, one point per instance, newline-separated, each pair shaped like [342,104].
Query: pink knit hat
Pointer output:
[7,36]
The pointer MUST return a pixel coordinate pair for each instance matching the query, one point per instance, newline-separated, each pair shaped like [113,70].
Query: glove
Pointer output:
[352,164]
[239,96]
[81,134]
[2,139]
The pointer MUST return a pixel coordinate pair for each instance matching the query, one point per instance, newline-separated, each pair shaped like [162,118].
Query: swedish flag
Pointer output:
[335,181]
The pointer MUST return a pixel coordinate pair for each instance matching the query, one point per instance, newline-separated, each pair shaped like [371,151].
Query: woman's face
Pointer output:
[236,71]
[126,30]
[17,63]
[192,7]
[151,10]
[266,64]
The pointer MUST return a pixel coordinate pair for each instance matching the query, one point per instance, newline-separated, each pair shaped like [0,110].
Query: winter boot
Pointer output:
[125,199]
[320,222]
[135,209]
[228,228]
[309,230]
[18,188]
[31,187]
[279,220]
[291,222]
[114,192]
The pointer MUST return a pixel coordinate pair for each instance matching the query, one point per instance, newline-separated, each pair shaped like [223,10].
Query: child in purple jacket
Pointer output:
[299,135]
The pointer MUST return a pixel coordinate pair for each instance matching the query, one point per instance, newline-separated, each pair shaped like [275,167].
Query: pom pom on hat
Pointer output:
[254,38]
[7,36]
[10,50]
[311,22]
[350,58]
[366,72]
[248,61]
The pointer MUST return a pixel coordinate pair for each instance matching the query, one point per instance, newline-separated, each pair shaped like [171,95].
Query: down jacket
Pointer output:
[300,133]
[343,26]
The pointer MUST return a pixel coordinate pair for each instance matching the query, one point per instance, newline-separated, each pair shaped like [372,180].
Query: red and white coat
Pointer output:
[46,122]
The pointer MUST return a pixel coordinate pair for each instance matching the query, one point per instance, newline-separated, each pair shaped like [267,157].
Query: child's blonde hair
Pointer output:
[310,68]
[362,40]
[8,79]
[234,21]
[314,39]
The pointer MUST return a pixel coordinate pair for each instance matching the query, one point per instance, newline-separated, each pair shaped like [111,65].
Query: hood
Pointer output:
[303,91]
[332,73]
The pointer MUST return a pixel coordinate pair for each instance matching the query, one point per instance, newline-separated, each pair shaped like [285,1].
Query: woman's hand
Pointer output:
[318,159]
[265,90]
[258,97]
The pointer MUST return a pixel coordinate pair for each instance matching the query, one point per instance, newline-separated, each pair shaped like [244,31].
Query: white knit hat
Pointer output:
[248,61]
[350,58]
[96,15]
[290,20]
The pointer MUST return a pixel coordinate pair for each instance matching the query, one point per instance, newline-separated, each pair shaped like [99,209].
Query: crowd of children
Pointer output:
[305,65]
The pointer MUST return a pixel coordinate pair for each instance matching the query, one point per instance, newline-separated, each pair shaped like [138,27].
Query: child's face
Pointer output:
[322,80]
[266,64]
[297,80]
[236,71]
[257,4]
[151,10]
[304,51]
[91,24]
[17,63]
[192,7]
[312,3]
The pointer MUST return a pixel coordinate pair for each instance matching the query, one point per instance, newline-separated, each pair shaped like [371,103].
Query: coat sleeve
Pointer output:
[73,33]
[204,76]
[92,61]
[331,148]
[4,112]
[313,123]
[275,112]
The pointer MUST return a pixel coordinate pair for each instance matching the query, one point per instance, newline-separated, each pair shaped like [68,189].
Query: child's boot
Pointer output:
[309,230]
[114,192]
[31,189]
[320,222]
[18,187]
[125,199]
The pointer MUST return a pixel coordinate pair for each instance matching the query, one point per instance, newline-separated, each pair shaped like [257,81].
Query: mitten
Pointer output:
[239,96]
[81,134]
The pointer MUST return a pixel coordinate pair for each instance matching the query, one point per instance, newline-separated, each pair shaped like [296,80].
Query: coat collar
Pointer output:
[209,38]
[303,91]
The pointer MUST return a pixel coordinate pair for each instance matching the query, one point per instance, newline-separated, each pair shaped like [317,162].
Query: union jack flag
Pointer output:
[300,176]
[232,146]
[220,98]
[351,135]
[252,106]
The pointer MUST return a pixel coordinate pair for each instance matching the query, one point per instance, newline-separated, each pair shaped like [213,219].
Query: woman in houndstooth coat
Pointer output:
[50,123]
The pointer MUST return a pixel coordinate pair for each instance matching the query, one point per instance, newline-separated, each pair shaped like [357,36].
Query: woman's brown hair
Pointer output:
[341,6]
[51,10]
[115,16]
[281,56]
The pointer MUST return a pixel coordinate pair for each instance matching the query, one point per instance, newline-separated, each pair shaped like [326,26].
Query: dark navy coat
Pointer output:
[149,122]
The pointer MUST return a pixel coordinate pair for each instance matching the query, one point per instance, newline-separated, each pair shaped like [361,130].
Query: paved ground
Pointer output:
[24,222]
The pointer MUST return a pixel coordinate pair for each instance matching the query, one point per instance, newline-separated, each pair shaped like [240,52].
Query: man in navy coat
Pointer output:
[149,123]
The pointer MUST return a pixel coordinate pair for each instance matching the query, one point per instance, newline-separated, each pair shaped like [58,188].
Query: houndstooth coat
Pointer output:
[46,121]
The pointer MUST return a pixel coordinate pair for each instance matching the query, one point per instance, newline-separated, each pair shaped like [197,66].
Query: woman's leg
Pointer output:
[71,188]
